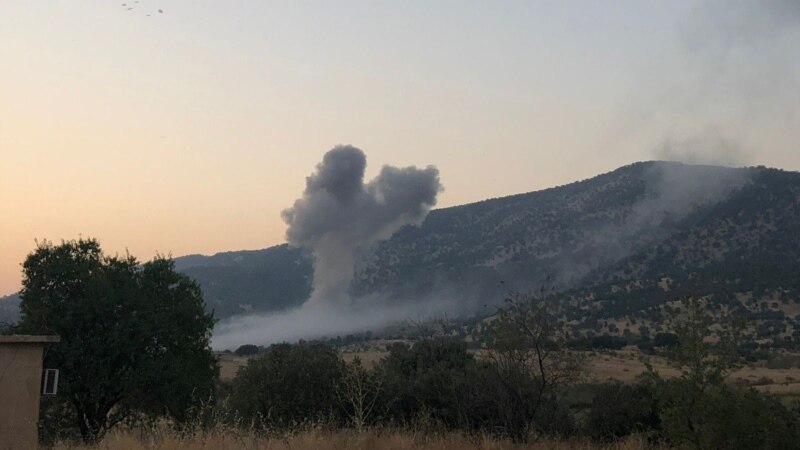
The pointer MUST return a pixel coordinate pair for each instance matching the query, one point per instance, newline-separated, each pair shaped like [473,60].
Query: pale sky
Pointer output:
[189,131]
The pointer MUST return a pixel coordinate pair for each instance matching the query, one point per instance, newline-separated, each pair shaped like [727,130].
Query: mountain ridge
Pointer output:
[639,236]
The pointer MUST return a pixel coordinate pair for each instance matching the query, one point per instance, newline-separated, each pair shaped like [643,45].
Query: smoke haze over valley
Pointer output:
[617,247]
[462,260]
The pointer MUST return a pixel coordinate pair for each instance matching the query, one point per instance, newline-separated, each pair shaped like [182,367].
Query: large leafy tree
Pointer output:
[134,337]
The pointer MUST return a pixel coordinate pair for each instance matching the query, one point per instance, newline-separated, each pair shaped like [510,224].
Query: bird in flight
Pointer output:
[129,7]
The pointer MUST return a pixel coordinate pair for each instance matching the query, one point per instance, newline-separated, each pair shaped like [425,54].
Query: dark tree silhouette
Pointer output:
[134,337]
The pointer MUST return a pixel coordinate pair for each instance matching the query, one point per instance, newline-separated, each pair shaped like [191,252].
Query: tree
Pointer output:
[618,410]
[528,349]
[287,384]
[698,408]
[704,357]
[359,390]
[134,337]
[247,350]
[431,378]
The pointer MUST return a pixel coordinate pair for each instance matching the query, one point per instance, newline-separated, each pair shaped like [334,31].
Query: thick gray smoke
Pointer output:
[339,216]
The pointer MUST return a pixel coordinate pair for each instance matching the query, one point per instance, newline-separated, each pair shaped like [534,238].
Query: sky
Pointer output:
[190,130]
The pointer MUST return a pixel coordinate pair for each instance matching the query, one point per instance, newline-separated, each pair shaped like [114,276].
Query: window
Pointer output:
[50,382]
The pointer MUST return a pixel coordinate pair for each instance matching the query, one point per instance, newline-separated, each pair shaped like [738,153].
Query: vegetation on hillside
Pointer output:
[622,248]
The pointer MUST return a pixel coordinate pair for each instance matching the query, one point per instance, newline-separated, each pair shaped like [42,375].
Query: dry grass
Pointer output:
[323,440]
[229,365]
[625,365]
[779,389]
[369,358]
[621,365]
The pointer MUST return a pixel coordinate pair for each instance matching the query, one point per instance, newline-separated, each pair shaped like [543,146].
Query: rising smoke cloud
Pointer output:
[339,218]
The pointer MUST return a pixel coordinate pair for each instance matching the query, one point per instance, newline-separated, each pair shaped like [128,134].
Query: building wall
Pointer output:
[20,385]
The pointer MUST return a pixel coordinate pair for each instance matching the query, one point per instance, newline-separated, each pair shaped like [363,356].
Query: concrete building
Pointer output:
[20,388]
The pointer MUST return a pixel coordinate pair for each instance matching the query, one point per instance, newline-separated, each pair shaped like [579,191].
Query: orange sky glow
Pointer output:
[189,131]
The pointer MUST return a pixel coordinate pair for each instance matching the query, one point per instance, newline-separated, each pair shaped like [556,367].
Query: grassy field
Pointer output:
[625,365]
[229,364]
[621,365]
[322,440]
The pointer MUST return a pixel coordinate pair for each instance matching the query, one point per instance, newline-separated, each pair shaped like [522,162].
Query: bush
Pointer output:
[439,381]
[247,350]
[288,385]
[726,417]
[431,376]
[665,340]
[618,410]
[783,362]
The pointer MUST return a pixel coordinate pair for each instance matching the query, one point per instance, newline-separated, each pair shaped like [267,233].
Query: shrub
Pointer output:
[247,350]
[783,362]
[618,410]
[665,340]
[726,417]
[431,376]
[287,385]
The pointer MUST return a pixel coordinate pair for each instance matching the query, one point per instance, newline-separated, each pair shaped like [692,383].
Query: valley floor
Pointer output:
[609,365]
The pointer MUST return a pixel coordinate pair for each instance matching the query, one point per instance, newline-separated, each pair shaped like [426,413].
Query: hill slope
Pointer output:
[638,236]
[620,247]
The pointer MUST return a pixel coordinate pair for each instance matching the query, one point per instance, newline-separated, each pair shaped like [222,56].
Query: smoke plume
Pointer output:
[737,94]
[708,147]
[340,216]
